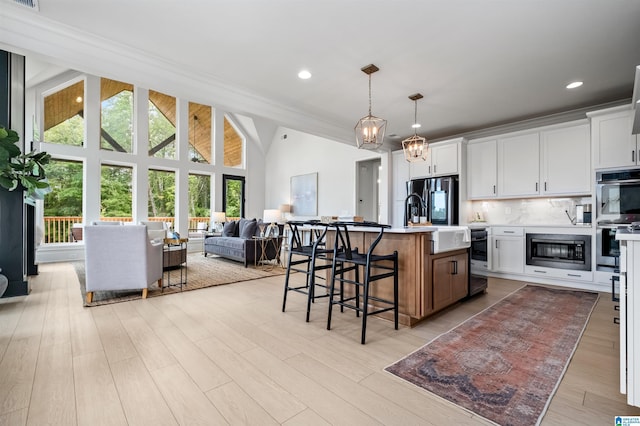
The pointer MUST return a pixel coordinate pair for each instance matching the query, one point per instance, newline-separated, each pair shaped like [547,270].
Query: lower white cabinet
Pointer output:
[507,249]
[565,274]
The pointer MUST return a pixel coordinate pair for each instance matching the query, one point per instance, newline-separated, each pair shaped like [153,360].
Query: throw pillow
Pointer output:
[249,229]
[241,224]
[229,229]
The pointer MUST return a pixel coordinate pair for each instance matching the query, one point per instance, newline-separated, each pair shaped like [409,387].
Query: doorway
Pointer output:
[233,195]
[367,189]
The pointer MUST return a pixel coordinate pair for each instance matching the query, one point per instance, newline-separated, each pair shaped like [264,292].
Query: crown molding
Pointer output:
[25,32]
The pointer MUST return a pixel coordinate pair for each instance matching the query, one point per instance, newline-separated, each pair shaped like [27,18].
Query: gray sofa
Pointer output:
[237,242]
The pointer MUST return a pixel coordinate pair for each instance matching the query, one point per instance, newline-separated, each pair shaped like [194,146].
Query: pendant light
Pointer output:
[370,129]
[415,147]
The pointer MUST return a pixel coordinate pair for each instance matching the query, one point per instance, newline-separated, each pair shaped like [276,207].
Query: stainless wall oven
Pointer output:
[618,196]
[618,204]
[563,251]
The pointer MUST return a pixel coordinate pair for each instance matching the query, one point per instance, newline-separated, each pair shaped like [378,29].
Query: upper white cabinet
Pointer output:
[547,161]
[519,165]
[443,159]
[418,169]
[482,169]
[566,160]
[613,143]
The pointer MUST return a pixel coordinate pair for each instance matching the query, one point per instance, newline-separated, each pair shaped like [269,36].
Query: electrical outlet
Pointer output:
[507,210]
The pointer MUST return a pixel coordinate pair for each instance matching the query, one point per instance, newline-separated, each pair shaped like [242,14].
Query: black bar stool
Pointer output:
[304,257]
[347,259]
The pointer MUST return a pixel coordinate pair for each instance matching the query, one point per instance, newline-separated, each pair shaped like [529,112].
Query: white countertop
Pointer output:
[473,225]
[398,230]
[626,235]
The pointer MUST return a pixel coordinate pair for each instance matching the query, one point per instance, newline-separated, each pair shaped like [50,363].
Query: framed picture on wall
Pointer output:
[304,194]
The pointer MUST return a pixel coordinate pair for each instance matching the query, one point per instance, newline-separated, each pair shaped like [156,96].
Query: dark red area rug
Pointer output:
[504,363]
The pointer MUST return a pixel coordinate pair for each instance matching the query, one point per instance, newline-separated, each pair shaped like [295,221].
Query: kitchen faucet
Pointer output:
[423,207]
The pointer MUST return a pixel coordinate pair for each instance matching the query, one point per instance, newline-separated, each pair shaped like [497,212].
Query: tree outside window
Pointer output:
[162,194]
[63,205]
[115,192]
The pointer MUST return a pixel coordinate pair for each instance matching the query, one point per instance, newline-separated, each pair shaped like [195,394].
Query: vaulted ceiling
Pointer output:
[478,63]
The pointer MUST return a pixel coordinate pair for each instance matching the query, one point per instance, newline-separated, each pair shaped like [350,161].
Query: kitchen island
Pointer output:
[433,267]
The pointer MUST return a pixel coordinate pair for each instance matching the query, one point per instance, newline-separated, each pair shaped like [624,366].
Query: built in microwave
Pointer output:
[564,251]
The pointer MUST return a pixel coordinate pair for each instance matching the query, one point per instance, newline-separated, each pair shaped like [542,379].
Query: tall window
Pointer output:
[162,125]
[162,195]
[200,133]
[233,195]
[63,205]
[115,192]
[233,146]
[63,125]
[199,200]
[64,115]
[116,118]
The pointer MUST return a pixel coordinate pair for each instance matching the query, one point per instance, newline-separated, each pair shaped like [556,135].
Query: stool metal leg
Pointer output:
[365,304]
[395,289]
[286,283]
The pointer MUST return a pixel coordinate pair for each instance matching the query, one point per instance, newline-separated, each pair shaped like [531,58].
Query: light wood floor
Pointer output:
[229,355]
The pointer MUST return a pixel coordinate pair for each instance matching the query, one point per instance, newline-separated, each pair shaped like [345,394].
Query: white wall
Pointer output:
[301,153]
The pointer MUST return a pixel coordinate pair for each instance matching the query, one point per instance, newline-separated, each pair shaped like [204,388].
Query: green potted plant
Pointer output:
[22,170]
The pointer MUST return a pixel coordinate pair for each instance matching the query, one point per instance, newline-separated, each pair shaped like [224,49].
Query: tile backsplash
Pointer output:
[529,211]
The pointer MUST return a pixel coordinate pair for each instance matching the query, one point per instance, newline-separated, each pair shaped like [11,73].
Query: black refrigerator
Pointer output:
[414,206]
[438,200]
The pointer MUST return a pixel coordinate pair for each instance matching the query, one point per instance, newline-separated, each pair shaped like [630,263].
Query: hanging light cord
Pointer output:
[415,118]
[369,94]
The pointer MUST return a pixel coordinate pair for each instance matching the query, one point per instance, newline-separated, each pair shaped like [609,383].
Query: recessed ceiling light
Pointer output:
[79,99]
[304,75]
[574,84]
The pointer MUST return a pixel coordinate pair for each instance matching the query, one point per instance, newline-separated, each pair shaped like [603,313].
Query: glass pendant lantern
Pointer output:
[370,129]
[415,147]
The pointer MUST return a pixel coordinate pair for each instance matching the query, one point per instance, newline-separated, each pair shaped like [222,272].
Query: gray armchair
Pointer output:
[121,258]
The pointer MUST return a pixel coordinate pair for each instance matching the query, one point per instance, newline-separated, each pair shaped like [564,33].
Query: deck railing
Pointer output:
[59,229]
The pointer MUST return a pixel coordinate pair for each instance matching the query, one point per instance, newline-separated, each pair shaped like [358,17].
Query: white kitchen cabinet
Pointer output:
[507,249]
[613,143]
[547,161]
[565,274]
[421,169]
[482,167]
[519,165]
[566,160]
[443,159]
[397,220]
[400,175]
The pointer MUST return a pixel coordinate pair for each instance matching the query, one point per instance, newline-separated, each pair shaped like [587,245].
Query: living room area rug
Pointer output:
[506,362]
[201,272]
